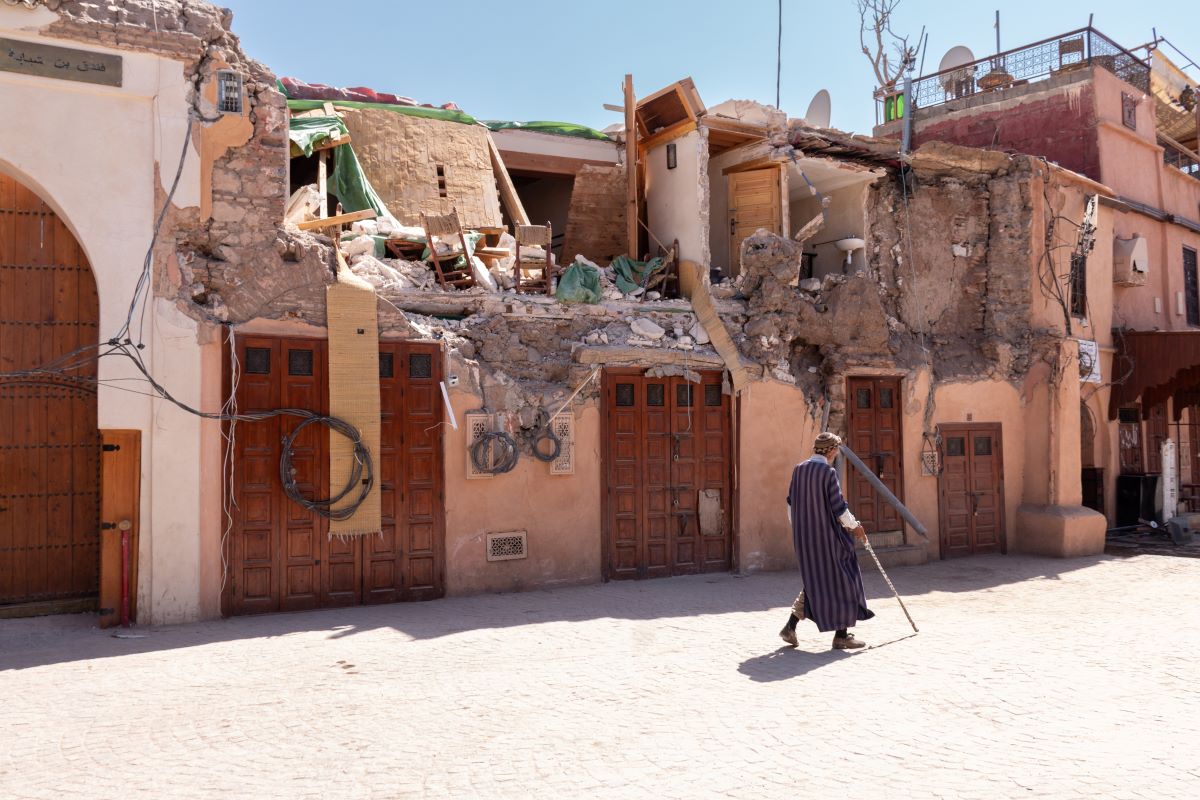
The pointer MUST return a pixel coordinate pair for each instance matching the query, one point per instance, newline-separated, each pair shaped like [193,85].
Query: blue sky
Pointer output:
[562,59]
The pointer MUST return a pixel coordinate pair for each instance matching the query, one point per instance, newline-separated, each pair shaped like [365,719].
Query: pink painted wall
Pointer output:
[560,513]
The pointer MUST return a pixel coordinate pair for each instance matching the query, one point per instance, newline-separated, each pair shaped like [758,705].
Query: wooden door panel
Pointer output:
[754,202]
[281,555]
[662,449]
[874,414]
[970,489]
[49,441]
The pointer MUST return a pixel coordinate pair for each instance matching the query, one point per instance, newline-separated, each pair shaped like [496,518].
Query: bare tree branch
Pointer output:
[875,16]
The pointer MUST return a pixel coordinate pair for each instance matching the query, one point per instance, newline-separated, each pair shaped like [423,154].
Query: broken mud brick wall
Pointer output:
[596,219]
[948,284]
[426,166]
[229,260]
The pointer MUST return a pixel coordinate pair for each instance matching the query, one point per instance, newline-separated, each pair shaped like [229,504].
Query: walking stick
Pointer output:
[871,550]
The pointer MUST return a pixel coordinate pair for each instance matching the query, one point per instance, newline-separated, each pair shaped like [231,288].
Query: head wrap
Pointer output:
[825,442]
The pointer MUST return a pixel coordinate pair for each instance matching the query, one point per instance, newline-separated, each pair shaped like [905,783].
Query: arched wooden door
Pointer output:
[49,442]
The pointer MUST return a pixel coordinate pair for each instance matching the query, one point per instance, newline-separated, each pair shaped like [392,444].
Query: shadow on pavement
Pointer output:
[26,643]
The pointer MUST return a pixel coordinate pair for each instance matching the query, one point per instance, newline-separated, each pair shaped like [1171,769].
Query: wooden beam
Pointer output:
[340,219]
[517,161]
[648,356]
[323,183]
[329,144]
[631,202]
[508,192]
[611,107]
[668,134]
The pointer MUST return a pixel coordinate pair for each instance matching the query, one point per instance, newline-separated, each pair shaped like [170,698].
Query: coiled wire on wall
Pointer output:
[545,432]
[495,453]
[362,466]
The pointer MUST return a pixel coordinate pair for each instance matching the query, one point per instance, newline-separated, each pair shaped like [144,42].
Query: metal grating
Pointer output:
[258,360]
[478,424]
[655,394]
[625,395]
[683,395]
[507,546]
[420,365]
[712,394]
[300,362]
[229,92]
[387,367]
[564,429]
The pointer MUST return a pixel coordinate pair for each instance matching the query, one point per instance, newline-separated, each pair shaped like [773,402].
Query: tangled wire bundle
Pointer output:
[495,453]
[362,465]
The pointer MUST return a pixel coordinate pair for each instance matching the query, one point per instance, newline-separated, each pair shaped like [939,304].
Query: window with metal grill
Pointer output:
[229,92]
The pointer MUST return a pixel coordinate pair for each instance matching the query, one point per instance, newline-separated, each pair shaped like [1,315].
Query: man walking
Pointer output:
[833,595]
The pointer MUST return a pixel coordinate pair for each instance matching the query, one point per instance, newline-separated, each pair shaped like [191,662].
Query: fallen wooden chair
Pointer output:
[537,236]
[447,225]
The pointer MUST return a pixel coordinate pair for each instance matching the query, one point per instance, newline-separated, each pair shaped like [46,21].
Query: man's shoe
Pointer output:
[789,635]
[847,642]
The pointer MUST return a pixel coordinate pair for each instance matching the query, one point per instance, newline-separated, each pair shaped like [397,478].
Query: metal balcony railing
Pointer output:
[1078,49]
[1180,158]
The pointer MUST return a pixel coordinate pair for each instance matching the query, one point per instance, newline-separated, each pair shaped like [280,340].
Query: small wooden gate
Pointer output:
[49,441]
[971,490]
[873,409]
[667,461]
[280,555]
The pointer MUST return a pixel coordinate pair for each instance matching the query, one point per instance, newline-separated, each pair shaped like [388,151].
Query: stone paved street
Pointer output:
[1030,678]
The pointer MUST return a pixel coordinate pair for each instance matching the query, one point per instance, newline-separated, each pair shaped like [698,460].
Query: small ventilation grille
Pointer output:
[258,360]
[420,365]
[564,429]
[478,424]
[507,546]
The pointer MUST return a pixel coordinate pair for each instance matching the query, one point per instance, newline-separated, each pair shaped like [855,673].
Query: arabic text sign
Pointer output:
[65,63]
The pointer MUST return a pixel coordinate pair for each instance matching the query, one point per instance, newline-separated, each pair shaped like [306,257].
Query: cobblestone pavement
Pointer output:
[1030,678]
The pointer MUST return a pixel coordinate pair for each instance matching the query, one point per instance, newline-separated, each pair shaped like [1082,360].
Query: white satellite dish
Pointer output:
[957,56]
[819,110]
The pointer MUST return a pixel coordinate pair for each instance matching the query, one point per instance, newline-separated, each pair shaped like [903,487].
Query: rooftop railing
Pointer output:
[1068,52]
[1179,157]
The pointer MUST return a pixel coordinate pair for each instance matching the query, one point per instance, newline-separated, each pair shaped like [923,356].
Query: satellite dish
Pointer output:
[957,56]
[819,110]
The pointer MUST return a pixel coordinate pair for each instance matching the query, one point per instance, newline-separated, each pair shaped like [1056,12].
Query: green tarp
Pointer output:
[579,283]
[632,274]
[309,132]
[347,183]
[545,126]
[412,111]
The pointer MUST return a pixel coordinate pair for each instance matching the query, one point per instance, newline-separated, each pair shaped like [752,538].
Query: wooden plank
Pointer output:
[668,134]
[631,151]
[322,185]
[649,356]
[340,219]
[517,161]
[329,144]
[120,502]
[508,192]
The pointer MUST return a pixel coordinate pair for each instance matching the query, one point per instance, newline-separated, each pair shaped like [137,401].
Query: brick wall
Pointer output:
[596,221]
[400,155]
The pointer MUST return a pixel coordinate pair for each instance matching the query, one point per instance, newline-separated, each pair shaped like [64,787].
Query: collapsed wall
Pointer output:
[947,287]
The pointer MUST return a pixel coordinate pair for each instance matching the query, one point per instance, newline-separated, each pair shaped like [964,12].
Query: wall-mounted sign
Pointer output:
[1089,361]
[65,63]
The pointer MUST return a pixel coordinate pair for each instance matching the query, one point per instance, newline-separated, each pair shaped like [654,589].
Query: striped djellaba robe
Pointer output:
[833,589]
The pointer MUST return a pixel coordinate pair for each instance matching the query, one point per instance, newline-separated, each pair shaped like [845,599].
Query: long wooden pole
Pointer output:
[631,171]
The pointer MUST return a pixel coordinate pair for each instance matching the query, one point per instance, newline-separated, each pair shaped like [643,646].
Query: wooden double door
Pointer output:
[668,501]
[874,415]
[49,440]
[971,490]
[280,556]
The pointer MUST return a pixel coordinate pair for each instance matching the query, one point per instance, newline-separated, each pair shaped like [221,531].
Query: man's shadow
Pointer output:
[792,662]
